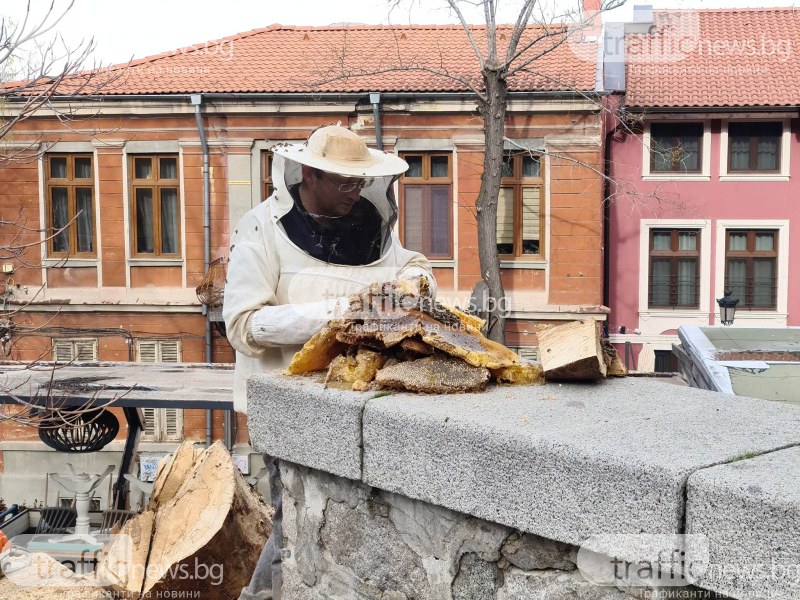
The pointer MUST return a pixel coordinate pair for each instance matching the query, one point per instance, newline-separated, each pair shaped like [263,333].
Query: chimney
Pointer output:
[642,19]
[591,20]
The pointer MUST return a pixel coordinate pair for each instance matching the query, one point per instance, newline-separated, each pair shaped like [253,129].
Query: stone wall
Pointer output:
[499,495]
[346,540]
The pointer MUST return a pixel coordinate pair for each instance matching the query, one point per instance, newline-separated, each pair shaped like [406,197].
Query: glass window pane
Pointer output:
[169,221]
[662,240]
[507,168]
[83,167]
[740,153]
[737,242]
[736,275]
[531,211]
[440,166]
[531,166]
[412,217]
[687,240]
[83,219]
[169,168]
[689,154]
[763,282]
[144,220]
[660,151]
[59,218]
[58,167]
[687,282]
[765,241]
[142,168]
[414,166]
[505,220]
[660,282]
[767,154]
[440,229]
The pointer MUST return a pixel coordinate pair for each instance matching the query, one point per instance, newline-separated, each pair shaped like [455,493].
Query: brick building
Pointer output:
[127,179]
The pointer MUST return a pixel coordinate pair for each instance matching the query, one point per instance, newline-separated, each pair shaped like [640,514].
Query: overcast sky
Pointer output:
[122,30]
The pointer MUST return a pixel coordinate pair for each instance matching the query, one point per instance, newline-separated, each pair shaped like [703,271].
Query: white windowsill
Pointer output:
[681,177]
[681,314]
[155,262]
[69,262]
[754,178]
[539,265]
[443,264]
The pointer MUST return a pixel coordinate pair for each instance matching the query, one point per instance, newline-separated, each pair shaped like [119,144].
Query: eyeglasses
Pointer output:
[352,184]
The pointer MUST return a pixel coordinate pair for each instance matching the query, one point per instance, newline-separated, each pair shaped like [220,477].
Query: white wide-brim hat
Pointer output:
[336,149]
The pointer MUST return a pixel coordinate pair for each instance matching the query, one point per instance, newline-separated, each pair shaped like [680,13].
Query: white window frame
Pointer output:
[786,144]
[71,345]
[156,420]
[652,321]
[756,318]
[705,154]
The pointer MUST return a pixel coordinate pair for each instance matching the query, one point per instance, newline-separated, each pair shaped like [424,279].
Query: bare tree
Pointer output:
[502,52]
[38,67]
[39,72]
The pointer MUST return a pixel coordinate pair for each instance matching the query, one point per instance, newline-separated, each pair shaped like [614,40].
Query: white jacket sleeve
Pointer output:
[294,323]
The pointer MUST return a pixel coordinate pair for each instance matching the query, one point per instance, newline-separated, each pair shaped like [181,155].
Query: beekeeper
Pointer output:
[326,232]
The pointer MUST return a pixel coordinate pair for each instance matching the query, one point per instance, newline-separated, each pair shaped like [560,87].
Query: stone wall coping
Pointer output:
[563,461]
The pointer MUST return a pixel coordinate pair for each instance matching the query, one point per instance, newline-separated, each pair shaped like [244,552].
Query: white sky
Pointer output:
[122,30]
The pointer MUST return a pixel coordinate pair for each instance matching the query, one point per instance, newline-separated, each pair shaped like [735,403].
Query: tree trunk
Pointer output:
[493,111]
[202,532]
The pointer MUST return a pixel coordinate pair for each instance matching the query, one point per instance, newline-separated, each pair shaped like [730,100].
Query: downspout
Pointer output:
[197,101]
[375,99]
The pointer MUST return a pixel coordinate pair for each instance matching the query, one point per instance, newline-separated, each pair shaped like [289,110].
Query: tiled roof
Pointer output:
[716,58]
[280,59]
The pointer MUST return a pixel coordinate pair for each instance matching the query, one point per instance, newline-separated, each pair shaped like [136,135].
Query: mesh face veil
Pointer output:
[369,224]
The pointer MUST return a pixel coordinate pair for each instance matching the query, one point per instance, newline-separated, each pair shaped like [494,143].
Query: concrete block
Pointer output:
[296,419]
[750,512]
[566,461]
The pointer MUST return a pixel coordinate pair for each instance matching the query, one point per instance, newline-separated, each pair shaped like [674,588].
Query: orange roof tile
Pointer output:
[716,58]
[280,59]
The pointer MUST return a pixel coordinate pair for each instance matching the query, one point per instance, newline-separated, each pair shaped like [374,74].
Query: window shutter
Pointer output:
[505,216]
[169,350]
[66,350]
[85,350]
[149,433]
[62,350]
[172,425]
[162,424]
[148,351]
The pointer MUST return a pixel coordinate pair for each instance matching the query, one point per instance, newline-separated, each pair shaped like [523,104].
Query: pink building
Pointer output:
[706,178]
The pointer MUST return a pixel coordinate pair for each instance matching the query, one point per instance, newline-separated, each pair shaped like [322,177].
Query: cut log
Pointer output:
[572,352]
[202,532]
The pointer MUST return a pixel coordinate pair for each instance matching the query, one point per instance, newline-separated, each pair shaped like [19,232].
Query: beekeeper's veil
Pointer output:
[335,149]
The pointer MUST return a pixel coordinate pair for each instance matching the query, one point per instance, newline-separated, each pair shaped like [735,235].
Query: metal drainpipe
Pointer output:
[197,101]
[375,99]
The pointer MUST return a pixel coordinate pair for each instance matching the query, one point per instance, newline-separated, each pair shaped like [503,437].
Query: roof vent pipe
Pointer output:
[375,100]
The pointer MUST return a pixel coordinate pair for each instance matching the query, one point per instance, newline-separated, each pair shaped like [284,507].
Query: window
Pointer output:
[161,424]
[155,207]
[674,268]
[75,350]
[519,207]
[676,147]
[426,192]
[754,147]
[751,258]
[70,205]
[266,175]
